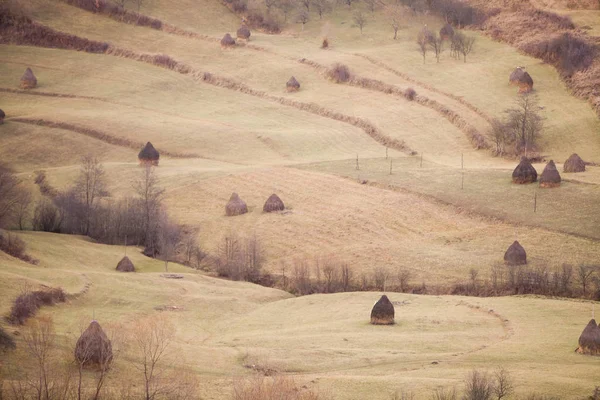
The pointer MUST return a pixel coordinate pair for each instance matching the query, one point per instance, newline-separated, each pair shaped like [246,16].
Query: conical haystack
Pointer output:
[550,178]
[125,265]
[28,80]
[574,164]
[522,79]
[227,41]
[589,341]
[243,33]
[383,312]
[93,347]
[524,172]
[235,206]
[515,255]
[273,203]
[292,85]
[149,155]
[2,115]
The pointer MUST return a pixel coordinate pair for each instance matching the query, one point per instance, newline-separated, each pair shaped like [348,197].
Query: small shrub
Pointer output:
[410,94]
[339,73]
[12,245]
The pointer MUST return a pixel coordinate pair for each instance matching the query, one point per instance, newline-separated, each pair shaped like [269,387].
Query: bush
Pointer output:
[12,245]
[28,302]
[46,217]
[410,94]
[257,20]
[567,51]
[6,342]
[339,73]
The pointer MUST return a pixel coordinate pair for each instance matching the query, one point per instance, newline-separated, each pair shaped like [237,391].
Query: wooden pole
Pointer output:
[462,160]
[357,167]
[386,153]
[421,160]
[462,180]
[390,167]
[534,201]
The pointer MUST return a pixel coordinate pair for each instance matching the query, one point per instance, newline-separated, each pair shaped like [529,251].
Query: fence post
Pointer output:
[357,167]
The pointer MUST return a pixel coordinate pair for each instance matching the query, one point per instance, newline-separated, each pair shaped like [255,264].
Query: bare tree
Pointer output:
[253,259]
[168,236]
[371,5]
[584,274]
[10,194]
[89,186]
[150,196]
[330,275]
[360,20]
[437,45]
[503,385]
[423,40]
[404,277]
[463,44]
[39,342]
[321,7]
[23,209]
[270,4]
[346,278]
[139,4]
[286,7]
[500,136]
[396,17]
[380,278]
[151,337]
[303,17]
[525,123]
[306,4]
[478,386]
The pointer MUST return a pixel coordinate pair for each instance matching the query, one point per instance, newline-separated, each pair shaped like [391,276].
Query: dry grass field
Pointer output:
[436,220]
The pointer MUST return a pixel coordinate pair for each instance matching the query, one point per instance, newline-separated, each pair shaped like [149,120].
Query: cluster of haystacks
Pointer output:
[125,265]
[574,164]
[522,79]
[273,204]
[383,312]
[339,73]
[243,33]
[292,85]
[227,41]
[447,32]
[515,255]
[550,178]
[28,80]
[524,172]
[148,155]
[93,347]
[235,206]
[589,341]
[2,115]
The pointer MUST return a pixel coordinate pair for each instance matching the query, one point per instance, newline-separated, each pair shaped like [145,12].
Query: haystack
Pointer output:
[125,265]
[522,79]
[273,203]
[589,341]
[515,255]
[574,164]
[148,155]
[2,115]
[292,85]
[383,312]
[243,33]
[447,32]
[524,173]
[28,80]
[325,43]
[235,206]
[550,177]
[93,347]
[227,41]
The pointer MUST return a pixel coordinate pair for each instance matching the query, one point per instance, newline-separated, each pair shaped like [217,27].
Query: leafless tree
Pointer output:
[525,124]
[150,196]
[437,45]
[463,44]
[270,4]
[500,136]
[301,274]
[286,7]
[89,186]
[371,5]
[330,275]
[23,209]
[584,274]
[380,278]
[346,278]
[444,394]
[360,20]
[303,17]
[306,4]
[404,277]
[396,17]
[423,40]
[151,337]
[503,385]
[253,259]
[10,194]
[321,7]
[169,236]
[478,386]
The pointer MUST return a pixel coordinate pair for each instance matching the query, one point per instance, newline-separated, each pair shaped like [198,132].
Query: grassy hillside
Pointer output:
[324,341]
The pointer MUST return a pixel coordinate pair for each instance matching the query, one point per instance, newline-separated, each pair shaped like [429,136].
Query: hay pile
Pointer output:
[28,80]
[515,255]
[273,203]
[125,265]
[325,43]
[235,206]
[447,32]
[148,155]
[383,312]
[522,79]
[2,115]
[243,33]
[93,347]
[227,41]
[524,173]
[550,178]
[589,341]
[574,164]
[292,85]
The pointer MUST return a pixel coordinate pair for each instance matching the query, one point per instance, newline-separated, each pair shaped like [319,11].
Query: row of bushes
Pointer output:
[254,18]
[27,303]
[116,12]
